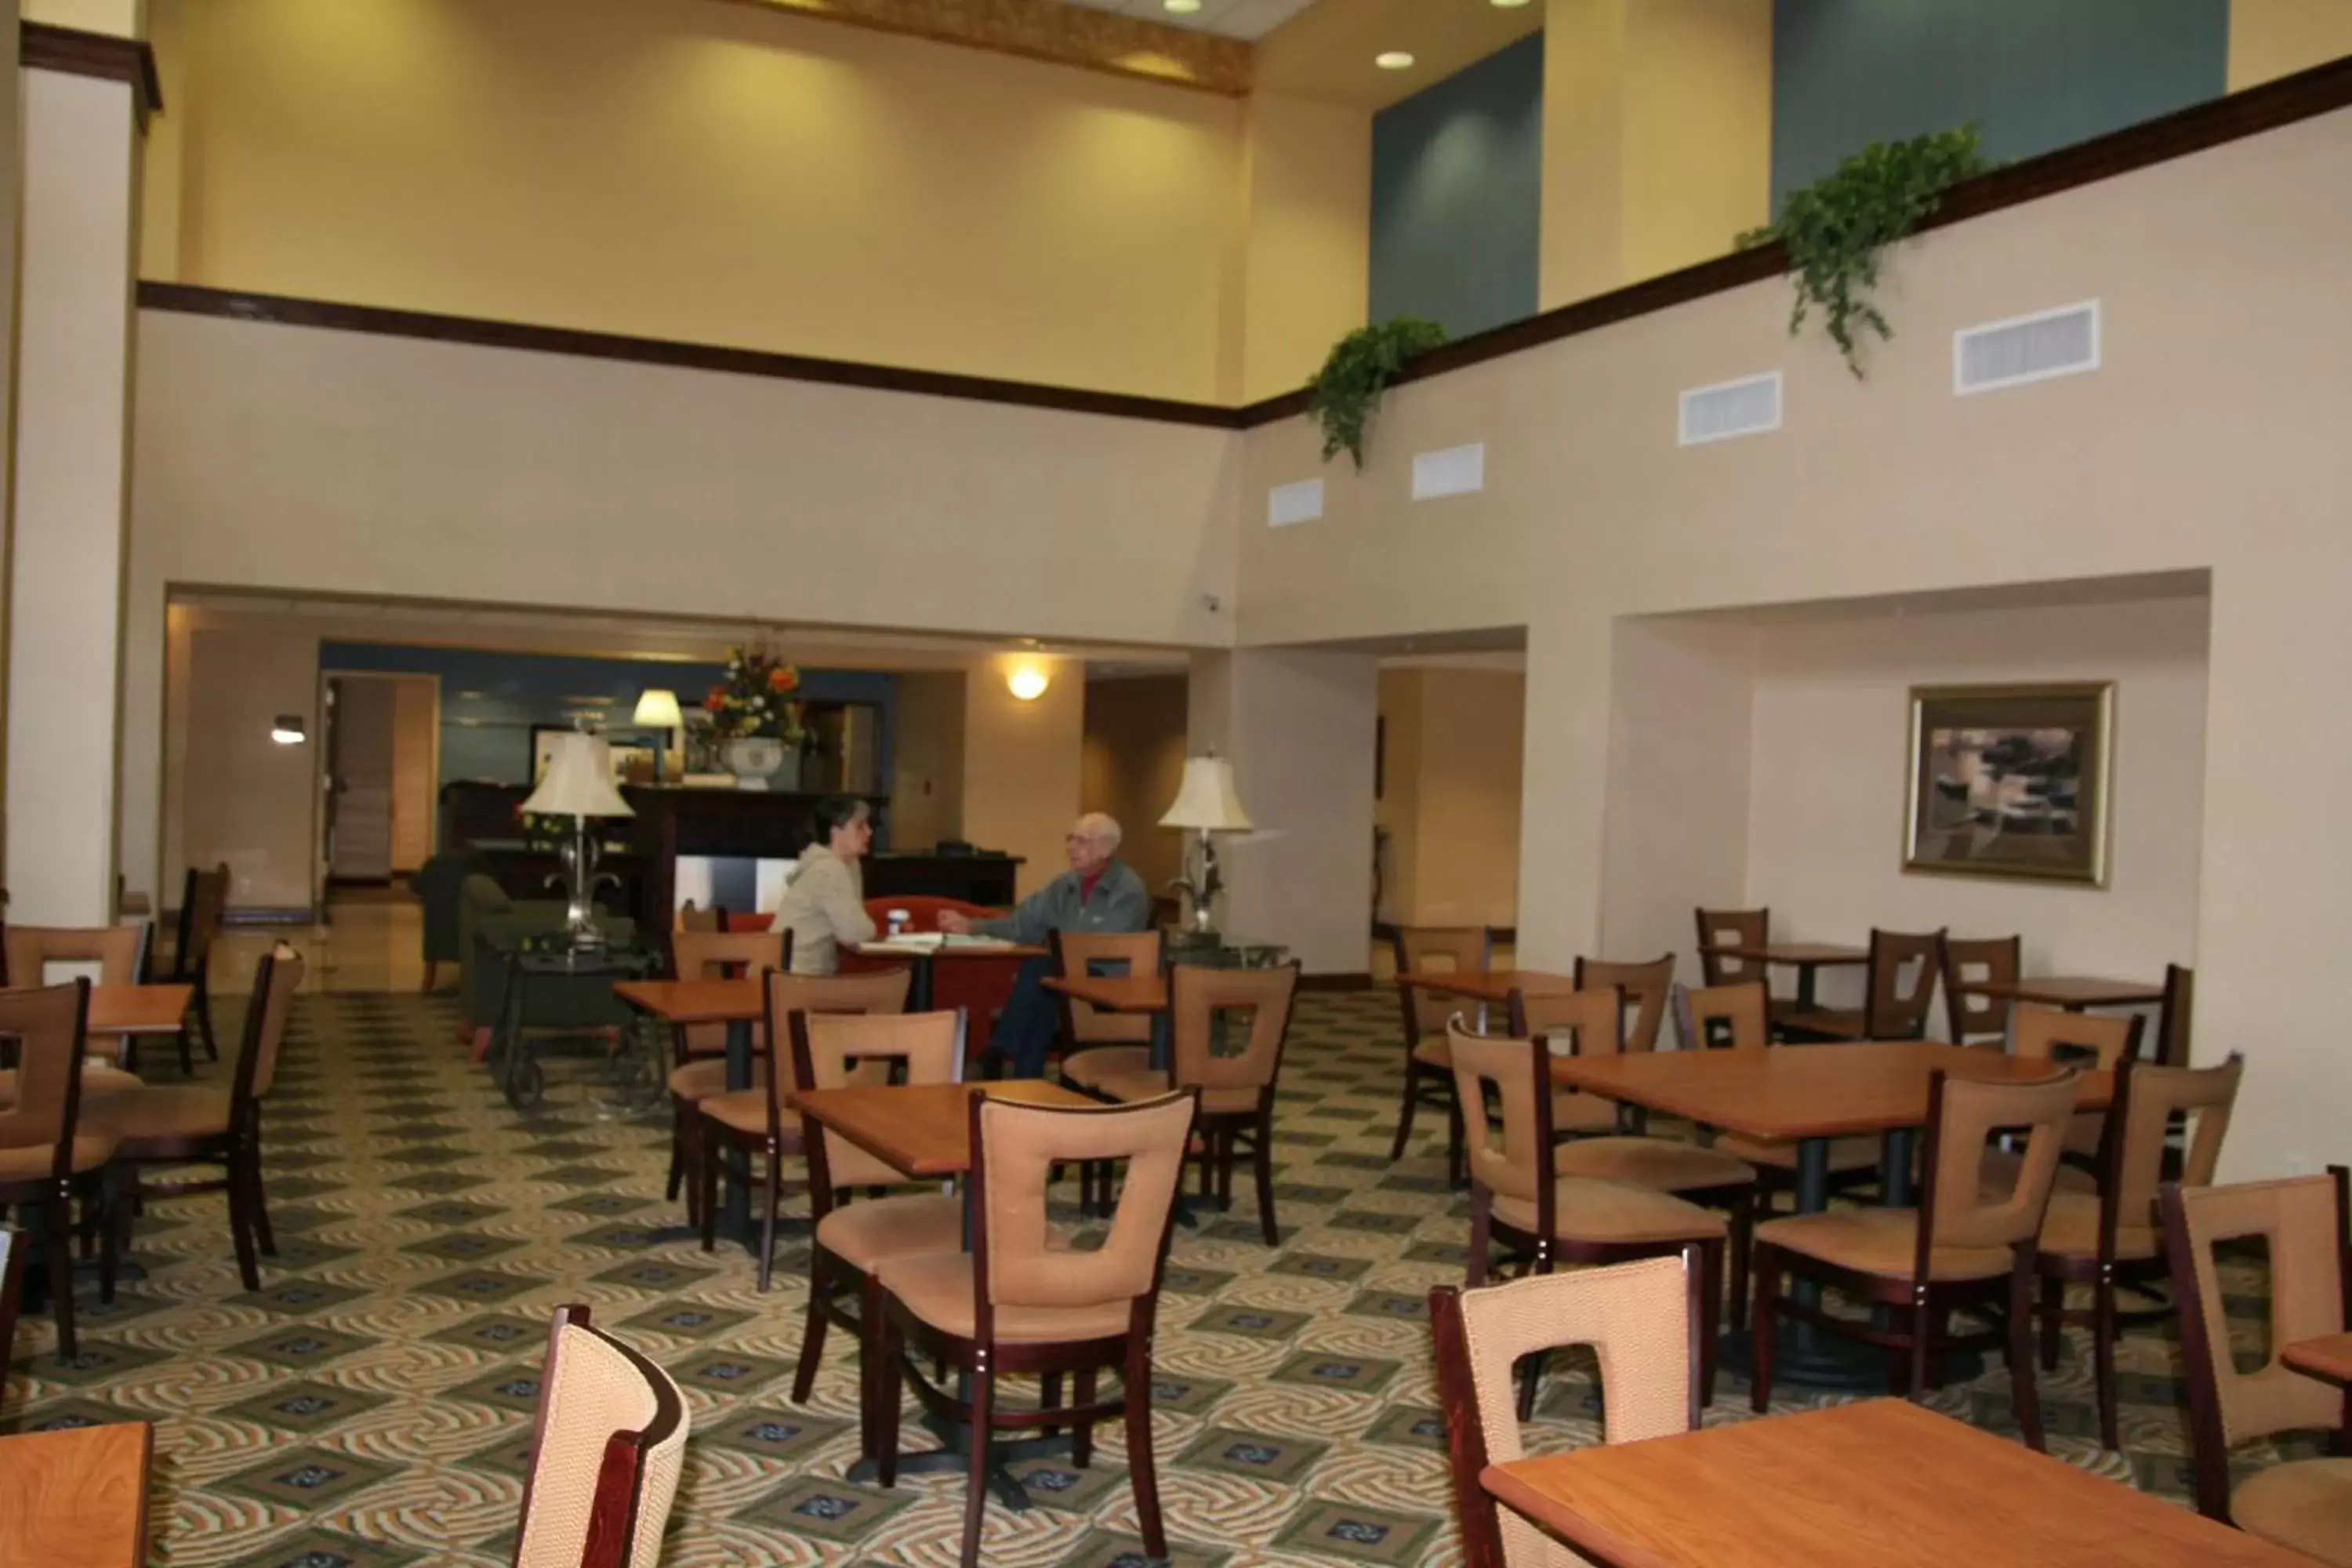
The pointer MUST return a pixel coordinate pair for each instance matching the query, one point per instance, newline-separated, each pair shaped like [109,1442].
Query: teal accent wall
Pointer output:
[2033,74]
[1457,188]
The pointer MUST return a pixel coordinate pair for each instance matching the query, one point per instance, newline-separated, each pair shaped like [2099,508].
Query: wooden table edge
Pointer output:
[1071,985]
[1585,1534]
[2300,1357]
[1564,1073]
[2126,994]
[103,1433]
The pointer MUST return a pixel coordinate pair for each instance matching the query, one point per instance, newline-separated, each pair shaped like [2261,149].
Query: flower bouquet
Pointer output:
[756,699]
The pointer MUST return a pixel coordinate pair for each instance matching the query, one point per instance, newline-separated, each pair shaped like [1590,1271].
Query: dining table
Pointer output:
[923,954]
[1807,958]
[740,1003]
[127,1013]
[1854,1485]
[1125,993]
[2075,992]
[1489,988]
[76,1497]
[2328,1357]
[924,1131]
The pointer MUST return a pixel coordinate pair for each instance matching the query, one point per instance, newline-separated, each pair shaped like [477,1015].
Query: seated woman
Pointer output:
[824,898]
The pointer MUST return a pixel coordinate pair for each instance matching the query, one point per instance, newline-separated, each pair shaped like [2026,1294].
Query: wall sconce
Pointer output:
[289,730]
[1027,683]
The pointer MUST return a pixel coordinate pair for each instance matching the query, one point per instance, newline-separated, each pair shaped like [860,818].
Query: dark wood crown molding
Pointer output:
[2323,90]
[41,47]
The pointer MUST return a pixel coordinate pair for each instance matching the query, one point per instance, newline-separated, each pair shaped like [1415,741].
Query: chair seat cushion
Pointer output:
[2070,1229]
[1879,1241]
[936,1287]
[1575,1111]
[1087,1069]
[698,1080]
[865,1233]
[1134,1086]
[746,1111]
[2305,1505]
[1780,1153]
[171,1113]
[1435,1052]
[97,1079]
[1997,1176]
[1588,1208]
[1661,1162]
[34,1161]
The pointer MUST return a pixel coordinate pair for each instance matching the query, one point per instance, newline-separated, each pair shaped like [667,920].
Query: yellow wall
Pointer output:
[2271,38]
[726,174]
[1449,794]
[122,18]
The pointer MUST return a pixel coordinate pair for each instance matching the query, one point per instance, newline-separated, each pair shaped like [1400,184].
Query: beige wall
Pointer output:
[1133,766]
[927,760]
[245,799]
[2210,440]
[1451,794]
[1021,766]
[2270,38]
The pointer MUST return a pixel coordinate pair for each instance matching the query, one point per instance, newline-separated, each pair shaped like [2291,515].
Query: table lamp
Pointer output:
[1206,803]
[578,784]
[658,710]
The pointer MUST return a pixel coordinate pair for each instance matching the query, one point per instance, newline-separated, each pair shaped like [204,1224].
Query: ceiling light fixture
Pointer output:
[1026,683]
[1506,5]
[1179,7]
[1393,61]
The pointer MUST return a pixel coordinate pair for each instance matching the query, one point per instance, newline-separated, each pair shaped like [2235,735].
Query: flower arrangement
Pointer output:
[756,697]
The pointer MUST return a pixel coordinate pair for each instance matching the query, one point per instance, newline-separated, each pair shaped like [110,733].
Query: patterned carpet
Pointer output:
[372,1405]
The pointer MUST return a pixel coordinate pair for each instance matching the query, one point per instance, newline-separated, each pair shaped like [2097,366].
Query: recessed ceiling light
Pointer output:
[1393,61]
[1179,7]
[1506,5]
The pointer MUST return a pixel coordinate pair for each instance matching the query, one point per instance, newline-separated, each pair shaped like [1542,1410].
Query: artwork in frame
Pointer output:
[632,755]
[2010,781]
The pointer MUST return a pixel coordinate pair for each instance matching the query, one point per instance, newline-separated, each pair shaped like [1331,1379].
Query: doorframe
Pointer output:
[321,866]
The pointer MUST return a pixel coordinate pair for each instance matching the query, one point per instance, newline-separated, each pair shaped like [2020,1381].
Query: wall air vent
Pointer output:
[1451,472]
[1730,409]
[1300,501]
[2063,342]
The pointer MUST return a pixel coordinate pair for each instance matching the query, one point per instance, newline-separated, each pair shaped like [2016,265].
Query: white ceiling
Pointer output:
[1234,18]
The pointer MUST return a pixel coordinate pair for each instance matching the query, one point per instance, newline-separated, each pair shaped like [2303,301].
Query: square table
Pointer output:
[2327,1358]
[76,1497]
[2075,992]
[922,956]
[1855,1485]
[1125,993]
[924,1130]
[737,1003]
[1807,958]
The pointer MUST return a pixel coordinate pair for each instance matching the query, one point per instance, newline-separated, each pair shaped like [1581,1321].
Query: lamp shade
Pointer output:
[657,709]
[579,779]
[1207,799]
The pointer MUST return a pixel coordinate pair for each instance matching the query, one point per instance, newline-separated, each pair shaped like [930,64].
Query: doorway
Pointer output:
[382,756]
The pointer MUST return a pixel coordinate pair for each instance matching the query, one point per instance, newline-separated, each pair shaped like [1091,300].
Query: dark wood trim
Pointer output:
[1343,980]
[1386,931]
[2305,95]
[41,47]
[190,298]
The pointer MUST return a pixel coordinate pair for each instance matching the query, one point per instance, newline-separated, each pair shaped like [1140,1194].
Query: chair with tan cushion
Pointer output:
[186,1124]
[605,1454]
[1237,1087]
[851,1241]
[1960,1248]
[760,1120]
[1642,1320]
[47,1156]
[1723,929]
[1428,1074]
[1736,1017]
[1642,987]
[1520,1199]
[1899,984]
[2098,1042]
[1574,1024]
[204,911]
[2172,1017]
[1021,1302]
[1976,961]
[698,1051]
[1098,1042]
[2109,1237]
[116,950]
[2305,1505]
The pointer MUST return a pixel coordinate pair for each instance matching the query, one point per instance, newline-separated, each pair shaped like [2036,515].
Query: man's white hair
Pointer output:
[1102,828]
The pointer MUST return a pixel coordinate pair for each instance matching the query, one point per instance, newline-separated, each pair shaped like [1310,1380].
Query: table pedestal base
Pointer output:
[953,1455]
[1808,1359]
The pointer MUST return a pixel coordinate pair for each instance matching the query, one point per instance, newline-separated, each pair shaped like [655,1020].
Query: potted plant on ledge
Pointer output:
[762,722]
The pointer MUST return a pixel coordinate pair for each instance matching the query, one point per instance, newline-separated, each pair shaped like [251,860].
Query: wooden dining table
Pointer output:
[1123,994]
[1488,987]
[2327,1358]
[1855,1485]
[924,957]
[2075,992]
[76,1497]
[1807,958]
[740,1003]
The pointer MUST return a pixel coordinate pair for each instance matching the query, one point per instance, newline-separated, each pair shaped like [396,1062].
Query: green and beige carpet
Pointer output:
[372,1403]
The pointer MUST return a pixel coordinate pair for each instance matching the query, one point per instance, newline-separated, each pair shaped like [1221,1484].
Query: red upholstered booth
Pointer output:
[981,986]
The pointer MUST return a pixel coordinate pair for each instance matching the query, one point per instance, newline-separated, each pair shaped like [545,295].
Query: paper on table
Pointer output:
[916,943]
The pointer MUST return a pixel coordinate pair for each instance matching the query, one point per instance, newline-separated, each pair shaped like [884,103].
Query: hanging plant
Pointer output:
[1837,228]
[1347,389]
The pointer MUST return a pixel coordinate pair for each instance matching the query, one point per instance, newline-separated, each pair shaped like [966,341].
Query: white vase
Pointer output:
[752,758]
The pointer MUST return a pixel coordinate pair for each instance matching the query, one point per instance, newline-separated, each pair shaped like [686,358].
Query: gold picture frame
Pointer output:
[2010,781]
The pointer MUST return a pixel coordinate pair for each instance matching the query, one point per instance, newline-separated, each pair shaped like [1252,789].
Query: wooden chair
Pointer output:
[1738,928]
[1736,1017]
[1021,1302]
[2172,1017]
[116,950]
[2304,1505]
[204,911]
[852,1240]
[1642,1319]
[2099,1041]
[754,1119]
[1643,987]
[698,1051]
[1959,1249]
[1098,1042]
[1973,961]
[47,1156]
[186,1124]
[702,922]
[2110,1238]
[1237,1091]
[1570,1023]
[1428,1074]
[1520,1199]
[605,1454]
[12,1283]
[1898,985]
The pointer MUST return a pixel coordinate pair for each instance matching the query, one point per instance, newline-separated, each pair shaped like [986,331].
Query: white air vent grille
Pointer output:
[1730,408]
[2063,342]
[1298,501]
[1451,472]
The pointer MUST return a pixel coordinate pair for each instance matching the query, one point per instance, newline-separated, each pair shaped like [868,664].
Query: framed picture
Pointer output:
[2010,781]
[624,751]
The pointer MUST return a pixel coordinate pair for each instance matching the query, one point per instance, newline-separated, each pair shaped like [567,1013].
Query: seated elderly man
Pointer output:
[1098,893]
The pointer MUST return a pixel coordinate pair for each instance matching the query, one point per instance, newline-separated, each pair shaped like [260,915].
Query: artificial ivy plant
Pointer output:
[1348,388]
[1837,229]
